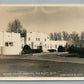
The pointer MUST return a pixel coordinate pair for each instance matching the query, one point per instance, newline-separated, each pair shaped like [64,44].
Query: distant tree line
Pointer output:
[74,36]
[16,26]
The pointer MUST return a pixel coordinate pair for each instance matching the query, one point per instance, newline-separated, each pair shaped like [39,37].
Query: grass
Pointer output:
[35,66]
[32,66]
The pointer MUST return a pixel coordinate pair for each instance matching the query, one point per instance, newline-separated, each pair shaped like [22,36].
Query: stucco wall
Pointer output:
[5,46]
[44,41]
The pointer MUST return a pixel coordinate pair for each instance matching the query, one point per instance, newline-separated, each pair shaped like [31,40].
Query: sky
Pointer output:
[44,19]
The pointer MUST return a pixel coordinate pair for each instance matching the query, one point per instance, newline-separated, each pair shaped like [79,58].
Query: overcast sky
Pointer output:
[44,19]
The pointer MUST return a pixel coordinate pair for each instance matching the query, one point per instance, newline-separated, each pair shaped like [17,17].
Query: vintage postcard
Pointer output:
[42,42]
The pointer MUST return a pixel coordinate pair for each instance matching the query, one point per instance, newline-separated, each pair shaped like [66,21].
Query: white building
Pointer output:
[37,40]
[42,41]
[10,43]
[56,44]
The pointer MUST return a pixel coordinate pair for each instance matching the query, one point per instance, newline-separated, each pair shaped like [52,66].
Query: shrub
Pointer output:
[26,49]
[79,51]
[71,49]
[61,49]
[51,50]
[36,50]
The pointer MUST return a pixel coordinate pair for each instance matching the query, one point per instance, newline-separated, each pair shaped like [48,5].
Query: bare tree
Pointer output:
[23,33]
[59,37]
[74,36]
[15,26]
[65,36]
[82,35]
[55,36]
[51,36]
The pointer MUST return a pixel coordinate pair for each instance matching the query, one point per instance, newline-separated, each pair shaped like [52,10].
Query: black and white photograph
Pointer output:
[42,41]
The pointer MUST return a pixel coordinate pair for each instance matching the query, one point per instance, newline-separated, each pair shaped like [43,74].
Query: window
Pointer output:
[48,45]
[45,46]
[38,39]
[51,46]
[29,38]
[45,39]
[40,44]
[11,43]
[6,44]
[55,46]
[8,35]
[35,46]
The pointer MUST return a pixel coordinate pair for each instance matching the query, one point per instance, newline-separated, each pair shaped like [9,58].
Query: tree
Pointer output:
[82,35]
[74,36]
[65,36]
[51,36]
[55,36]
[23,33]
[15,26]
[59,37]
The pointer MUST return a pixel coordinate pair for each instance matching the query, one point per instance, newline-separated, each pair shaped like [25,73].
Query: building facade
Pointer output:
[37,40]
[42,41]
[10,43]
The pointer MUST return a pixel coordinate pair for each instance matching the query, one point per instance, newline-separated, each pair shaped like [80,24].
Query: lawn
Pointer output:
[41,65]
